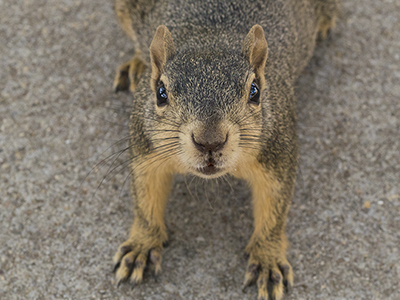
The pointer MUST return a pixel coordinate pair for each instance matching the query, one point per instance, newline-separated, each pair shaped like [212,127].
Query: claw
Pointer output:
[157,270]
[288,286]
[247,281]
[119,283]
[116,266]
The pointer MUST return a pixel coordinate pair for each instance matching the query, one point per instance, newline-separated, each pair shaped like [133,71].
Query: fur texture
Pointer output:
[210,57]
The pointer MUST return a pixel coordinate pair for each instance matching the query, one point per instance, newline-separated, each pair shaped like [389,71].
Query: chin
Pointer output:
[209,173]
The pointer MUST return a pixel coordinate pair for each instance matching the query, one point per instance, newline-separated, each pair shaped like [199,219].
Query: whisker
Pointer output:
[225,177]
[187,187]
[104,161]
[246,117]
[251,129]
[162,146]
[249,135]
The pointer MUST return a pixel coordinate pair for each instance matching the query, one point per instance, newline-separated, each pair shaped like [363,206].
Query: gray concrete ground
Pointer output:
[58,116]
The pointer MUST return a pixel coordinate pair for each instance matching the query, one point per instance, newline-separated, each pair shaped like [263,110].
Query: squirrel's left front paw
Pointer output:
[272,269]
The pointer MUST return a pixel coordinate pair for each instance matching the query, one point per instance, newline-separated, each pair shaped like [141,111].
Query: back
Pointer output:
[290,26]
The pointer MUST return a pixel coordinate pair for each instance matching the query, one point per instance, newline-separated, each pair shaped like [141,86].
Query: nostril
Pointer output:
[209,147]
[221,145]
[199,146]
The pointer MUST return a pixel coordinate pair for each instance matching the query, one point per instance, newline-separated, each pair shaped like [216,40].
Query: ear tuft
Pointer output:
[161,50]
[255,49]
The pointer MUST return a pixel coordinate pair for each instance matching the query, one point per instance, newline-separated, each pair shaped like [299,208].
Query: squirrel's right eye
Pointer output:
[162,97]
[254,96]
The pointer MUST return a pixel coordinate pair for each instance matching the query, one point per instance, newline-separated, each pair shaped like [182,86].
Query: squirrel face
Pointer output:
[210,101]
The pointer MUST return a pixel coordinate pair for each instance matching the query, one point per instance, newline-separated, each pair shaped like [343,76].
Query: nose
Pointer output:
[206,147]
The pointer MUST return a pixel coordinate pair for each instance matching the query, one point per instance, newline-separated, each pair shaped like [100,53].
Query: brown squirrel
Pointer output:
[213,94]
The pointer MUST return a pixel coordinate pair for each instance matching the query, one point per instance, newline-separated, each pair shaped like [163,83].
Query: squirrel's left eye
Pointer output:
[162,96]
[254,96]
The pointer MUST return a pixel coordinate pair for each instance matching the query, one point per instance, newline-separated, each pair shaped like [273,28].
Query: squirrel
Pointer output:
[213,94]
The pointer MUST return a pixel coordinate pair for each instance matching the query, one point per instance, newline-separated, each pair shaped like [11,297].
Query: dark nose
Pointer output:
[209,147]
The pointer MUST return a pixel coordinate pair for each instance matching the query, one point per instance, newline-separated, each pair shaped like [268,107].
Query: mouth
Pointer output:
[209,169]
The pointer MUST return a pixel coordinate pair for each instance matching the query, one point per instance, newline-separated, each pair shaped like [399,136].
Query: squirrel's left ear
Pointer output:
[162,48]
[255,49]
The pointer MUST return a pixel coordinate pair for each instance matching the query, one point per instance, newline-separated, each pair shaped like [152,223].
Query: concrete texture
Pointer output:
[59,118]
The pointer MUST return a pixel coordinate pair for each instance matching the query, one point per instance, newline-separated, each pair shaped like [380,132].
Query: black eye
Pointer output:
[162,97]
[254,96]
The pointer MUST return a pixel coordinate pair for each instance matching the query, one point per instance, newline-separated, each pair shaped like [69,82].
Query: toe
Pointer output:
[138,268]
[125,268]
[276,284]
[156,258]
[122,250]
[252,270]
[262,284]
[287,272]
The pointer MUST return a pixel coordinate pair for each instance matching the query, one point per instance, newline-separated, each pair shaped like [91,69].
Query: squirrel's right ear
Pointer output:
[161,50]
[255,49]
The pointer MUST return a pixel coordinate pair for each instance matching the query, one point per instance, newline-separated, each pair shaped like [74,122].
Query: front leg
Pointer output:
[150,189]
[267,246]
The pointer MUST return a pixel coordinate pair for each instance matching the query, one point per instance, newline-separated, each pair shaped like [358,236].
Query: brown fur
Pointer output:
[207,69]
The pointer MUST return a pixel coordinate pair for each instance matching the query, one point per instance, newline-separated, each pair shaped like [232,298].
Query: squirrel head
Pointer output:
[208,101]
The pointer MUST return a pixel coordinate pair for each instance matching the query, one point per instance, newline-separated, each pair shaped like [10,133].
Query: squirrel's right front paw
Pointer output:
[128,74]
[132,257]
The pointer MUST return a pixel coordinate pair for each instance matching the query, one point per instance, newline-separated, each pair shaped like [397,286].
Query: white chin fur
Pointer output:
[211,176]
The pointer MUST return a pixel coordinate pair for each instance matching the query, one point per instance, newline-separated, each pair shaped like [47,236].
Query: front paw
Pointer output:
[269,266]
[128,74]
[132,257]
